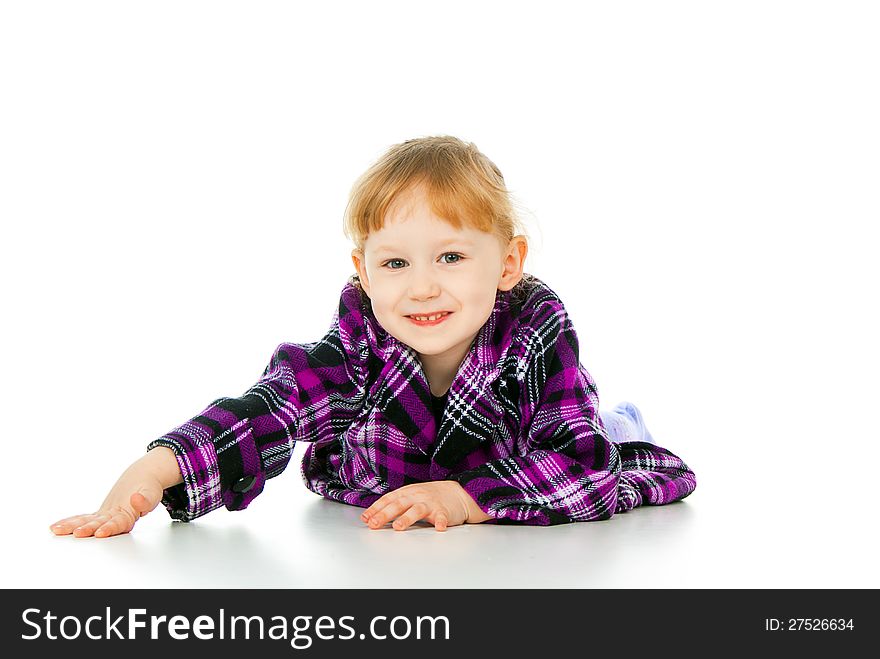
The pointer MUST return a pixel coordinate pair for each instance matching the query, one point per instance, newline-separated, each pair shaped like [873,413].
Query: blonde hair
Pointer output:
[462,185]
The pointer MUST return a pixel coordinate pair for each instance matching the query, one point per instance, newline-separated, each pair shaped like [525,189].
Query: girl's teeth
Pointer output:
[424,318]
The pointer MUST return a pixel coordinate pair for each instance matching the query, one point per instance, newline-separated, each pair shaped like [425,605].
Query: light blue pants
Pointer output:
[625,424]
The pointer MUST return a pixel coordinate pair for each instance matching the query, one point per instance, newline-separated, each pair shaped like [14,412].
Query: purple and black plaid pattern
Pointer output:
[520,432]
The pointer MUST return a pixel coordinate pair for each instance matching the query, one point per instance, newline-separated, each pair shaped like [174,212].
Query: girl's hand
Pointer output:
[442,503]
[109,519]
[137,492]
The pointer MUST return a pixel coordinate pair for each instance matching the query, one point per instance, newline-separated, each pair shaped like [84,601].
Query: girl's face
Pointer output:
[417,264]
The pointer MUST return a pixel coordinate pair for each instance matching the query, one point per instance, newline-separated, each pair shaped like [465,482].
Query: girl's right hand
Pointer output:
[137,492]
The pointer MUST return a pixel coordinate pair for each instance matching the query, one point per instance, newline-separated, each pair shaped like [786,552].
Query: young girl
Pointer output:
[447,389]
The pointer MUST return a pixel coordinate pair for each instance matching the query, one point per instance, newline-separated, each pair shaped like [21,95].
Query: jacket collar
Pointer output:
[402,393]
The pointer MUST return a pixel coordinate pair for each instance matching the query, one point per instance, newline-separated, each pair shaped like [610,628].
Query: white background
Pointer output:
[699,181]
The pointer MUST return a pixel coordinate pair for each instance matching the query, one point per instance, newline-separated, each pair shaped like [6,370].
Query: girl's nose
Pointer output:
[423,285]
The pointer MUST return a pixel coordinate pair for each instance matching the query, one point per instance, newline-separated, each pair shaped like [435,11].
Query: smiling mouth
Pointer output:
[433,319]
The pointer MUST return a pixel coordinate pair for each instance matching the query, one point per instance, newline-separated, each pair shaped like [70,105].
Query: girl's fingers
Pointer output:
[386,514]
[404,521]
[365,516]
[109,523]
[66,525]
[374,508]
[400,498]
[114,526]
[411,516]
[440,521]
[87,529]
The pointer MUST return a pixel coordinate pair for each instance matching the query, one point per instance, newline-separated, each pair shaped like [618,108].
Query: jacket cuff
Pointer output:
[223,471]
[469,483]
[509,506]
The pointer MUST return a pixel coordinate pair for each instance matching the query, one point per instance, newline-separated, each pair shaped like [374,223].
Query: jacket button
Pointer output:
[244,484]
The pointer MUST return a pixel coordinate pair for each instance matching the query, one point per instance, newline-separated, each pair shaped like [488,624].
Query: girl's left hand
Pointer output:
[442,503]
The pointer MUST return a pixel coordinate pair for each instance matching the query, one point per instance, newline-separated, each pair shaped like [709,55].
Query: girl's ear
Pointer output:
[514,262]
[357,258]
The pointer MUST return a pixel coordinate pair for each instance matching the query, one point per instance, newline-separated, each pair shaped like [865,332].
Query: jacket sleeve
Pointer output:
[651,475]
[306,392]
[566,469]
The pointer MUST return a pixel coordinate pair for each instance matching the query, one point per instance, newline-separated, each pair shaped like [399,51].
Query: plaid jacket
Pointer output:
[521,431]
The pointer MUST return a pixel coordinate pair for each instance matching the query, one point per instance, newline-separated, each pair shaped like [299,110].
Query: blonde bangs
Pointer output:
[462,185]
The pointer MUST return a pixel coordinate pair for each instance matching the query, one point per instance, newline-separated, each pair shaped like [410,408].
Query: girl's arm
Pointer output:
[228,452]
[568,470]
[223,456]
